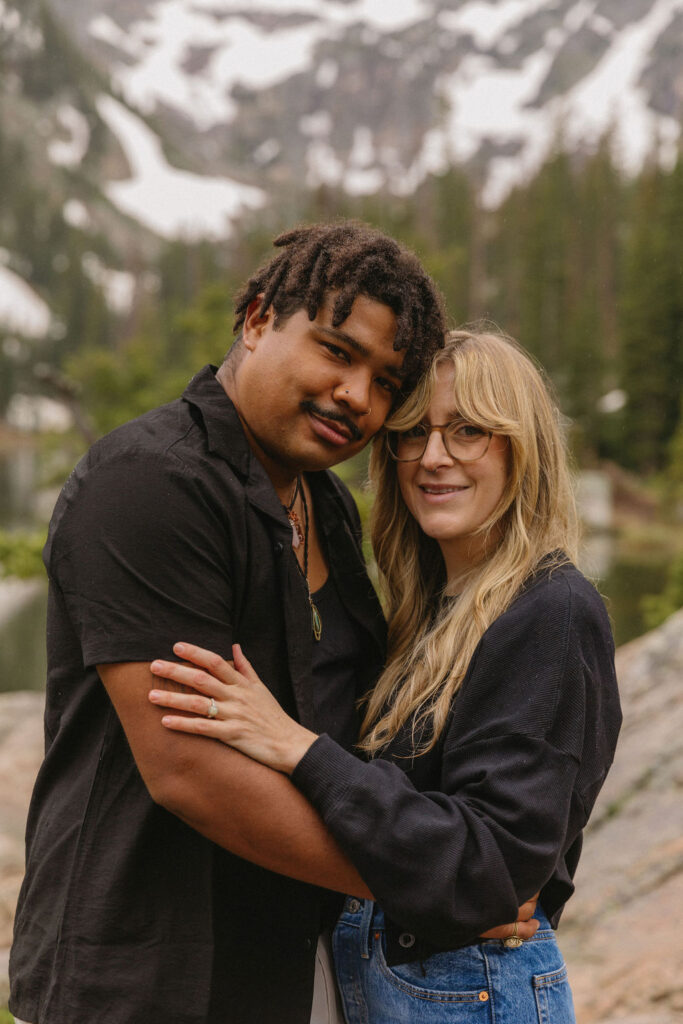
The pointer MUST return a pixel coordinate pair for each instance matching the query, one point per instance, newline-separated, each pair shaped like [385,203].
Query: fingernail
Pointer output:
[179,648]
[157,666]
[154,694]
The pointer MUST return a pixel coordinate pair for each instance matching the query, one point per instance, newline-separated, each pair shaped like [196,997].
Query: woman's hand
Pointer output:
[247,715]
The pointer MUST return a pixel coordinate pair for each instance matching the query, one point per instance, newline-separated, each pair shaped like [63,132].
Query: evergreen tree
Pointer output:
[652,318]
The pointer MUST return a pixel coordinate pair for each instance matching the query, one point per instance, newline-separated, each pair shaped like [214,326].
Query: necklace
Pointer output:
[299,537]
[315,614]
[294,521]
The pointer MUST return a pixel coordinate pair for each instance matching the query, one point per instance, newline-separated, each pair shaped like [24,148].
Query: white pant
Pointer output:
[326,1002]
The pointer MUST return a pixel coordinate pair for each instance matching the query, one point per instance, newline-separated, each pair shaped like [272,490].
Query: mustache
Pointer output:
[334,416]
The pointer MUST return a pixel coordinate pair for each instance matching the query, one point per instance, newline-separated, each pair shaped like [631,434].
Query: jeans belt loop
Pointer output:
[365,928]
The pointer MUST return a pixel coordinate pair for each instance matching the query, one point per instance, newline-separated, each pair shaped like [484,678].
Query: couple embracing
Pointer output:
[260,804]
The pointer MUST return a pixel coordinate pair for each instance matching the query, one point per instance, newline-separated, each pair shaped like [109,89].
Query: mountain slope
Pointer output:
[365,94]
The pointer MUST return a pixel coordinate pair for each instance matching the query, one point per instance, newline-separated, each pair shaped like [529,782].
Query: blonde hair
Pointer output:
[432,636]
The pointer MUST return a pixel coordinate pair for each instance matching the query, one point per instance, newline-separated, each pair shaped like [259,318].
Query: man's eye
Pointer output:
[388,385]
[340,353]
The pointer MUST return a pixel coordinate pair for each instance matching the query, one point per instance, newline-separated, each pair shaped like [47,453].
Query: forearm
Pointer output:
[251,810]
[258,814]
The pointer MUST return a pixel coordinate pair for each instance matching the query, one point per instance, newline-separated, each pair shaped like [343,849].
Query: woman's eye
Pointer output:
[413,433]
[466,430]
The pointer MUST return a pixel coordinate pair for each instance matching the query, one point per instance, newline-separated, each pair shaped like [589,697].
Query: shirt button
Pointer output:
[483,997]
[308,944]
[278,547]
[354,906]
[406,940]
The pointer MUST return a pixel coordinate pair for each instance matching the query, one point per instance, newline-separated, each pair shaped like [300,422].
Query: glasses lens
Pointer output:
[465,441]
[408,445]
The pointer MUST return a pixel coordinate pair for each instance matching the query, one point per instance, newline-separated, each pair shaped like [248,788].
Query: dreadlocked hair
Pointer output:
[350,258]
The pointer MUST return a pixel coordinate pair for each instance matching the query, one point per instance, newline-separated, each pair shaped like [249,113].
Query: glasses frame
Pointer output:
[441,428]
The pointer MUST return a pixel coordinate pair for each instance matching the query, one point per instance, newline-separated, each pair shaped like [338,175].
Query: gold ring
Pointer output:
[513,941]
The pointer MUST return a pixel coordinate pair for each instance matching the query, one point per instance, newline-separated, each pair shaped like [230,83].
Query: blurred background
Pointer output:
[528,150]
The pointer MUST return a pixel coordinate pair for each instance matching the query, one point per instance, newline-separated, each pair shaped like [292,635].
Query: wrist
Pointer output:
[294,749]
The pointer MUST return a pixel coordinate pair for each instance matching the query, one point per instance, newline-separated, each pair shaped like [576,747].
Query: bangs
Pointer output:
[483,391]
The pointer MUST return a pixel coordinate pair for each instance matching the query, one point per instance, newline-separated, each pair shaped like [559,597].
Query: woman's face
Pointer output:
[451,499]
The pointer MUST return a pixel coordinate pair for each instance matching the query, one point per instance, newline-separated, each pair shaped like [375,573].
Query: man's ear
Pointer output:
[255,322]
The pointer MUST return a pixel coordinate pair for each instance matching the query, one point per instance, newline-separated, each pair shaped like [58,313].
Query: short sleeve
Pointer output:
[141,554]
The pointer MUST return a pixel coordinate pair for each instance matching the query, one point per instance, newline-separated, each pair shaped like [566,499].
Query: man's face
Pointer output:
[310,394]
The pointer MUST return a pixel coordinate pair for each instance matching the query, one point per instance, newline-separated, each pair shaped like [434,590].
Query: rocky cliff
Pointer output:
[621,932]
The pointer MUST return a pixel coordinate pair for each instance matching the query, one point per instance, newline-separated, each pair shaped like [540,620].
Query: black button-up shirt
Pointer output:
[169,528]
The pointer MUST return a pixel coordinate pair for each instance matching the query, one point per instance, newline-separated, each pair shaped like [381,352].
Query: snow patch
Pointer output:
[37,412]
[76,214]
[170,202]
[69,153]
[118,285]
[488,23]
[21,309]
[323,166]
[268,150]
[317,124]
[327,74]
[363,149]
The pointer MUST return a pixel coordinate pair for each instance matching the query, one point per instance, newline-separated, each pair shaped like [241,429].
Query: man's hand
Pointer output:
[527,925]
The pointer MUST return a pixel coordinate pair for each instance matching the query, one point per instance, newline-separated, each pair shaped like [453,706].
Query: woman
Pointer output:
[492,727]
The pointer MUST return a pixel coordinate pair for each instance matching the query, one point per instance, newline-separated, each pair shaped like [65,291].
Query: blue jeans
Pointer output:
[481,984]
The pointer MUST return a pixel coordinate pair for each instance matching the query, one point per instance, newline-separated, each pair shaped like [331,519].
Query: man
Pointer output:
[195,522]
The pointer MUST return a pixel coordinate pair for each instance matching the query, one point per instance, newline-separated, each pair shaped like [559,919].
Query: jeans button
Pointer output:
[278,547]
[353,906]
[406,940]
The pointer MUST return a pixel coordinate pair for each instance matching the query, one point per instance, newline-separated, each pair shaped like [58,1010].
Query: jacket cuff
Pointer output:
[325,773]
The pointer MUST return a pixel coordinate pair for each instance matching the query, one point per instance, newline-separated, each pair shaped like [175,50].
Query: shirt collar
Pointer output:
[224,432]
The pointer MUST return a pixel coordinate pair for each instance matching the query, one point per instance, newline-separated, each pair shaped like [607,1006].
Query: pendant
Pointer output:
[297,532]
[317,622]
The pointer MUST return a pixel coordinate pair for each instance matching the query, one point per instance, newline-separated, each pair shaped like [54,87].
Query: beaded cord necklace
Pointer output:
[299,537]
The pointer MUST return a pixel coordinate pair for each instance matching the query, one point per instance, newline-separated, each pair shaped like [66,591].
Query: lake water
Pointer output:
[622,580]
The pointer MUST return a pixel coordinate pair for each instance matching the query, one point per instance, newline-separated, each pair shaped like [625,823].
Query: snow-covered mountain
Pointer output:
[367,94]
[207,107]
[126,121]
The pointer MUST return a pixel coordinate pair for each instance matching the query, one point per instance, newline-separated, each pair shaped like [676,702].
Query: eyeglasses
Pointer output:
[463,441]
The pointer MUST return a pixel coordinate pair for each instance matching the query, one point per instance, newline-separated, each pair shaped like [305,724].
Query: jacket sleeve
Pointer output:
[449,864]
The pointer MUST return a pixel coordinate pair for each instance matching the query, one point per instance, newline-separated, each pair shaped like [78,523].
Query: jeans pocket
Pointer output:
[451,977]
[554,1001]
